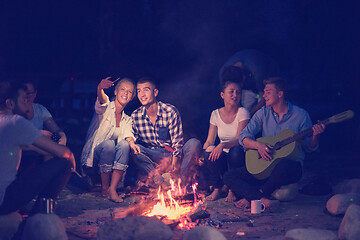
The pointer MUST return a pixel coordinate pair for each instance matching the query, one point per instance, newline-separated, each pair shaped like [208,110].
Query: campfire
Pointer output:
[173,207]
[173,204]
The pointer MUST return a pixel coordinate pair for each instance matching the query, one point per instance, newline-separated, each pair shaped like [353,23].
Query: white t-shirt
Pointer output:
[227,132]
[14,132]
[41,114]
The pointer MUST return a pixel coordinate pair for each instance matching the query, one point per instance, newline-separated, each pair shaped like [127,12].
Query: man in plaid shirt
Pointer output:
[159,136]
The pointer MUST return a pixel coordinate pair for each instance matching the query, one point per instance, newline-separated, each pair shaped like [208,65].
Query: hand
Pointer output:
[318,128]
[134,148]
[106,83]
[73,162]
[216,152]
[264,150]
[46,133]
[62,141]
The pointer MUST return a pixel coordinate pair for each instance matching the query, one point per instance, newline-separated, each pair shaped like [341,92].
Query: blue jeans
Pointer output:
[191,151]
[109,156]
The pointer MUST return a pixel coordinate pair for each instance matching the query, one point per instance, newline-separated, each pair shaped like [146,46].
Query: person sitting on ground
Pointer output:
[159,135]
[47,179]
[278,114]
[42,120]
[108,139]
[40,116]
[226,123]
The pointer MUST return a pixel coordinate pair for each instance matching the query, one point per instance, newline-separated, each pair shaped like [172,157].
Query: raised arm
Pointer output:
[104,84]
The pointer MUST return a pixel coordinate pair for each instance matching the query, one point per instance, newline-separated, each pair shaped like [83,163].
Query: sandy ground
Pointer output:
[83,213]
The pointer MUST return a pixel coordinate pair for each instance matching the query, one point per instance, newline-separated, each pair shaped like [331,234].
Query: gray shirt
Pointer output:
[14,132]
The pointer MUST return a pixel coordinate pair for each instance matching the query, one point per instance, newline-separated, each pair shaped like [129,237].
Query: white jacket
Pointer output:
[102,128]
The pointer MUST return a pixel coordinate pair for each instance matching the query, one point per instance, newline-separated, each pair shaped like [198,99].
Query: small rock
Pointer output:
[44,227]
[135,227]
[350,225]
[347,186]
[286,192]
[9,225]
[203,233]
[310,234]
[338,203]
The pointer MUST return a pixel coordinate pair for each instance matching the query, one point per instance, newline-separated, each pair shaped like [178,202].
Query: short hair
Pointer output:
[147,80]
[280,84]
[232,74]
[9,90]
[125,80]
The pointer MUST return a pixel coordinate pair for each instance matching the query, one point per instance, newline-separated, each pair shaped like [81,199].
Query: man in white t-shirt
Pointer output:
[40,116]
[46,180]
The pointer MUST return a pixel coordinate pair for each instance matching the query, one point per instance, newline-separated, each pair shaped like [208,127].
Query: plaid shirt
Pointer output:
[167,129]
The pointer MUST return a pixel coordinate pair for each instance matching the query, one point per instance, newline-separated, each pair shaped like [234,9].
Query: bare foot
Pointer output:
[215,195]
[105,192]
[113,196]
[230,197]
[242,203]
[271,205]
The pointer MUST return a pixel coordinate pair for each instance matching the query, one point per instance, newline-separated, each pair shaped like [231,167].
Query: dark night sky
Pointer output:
[183,44]
[311,39]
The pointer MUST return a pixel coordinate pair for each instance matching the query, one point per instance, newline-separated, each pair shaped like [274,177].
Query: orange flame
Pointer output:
[171,209]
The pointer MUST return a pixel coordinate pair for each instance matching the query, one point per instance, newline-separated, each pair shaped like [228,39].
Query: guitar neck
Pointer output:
[307,132]
[303,134]
[296,137]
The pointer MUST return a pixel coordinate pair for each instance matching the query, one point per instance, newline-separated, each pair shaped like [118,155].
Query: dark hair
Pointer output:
[232,74]
[280,85]
[227,83]
[147,80]
[9,90]
[32,82]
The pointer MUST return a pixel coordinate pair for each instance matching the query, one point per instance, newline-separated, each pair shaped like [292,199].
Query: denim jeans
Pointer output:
[109,156]
[147,163]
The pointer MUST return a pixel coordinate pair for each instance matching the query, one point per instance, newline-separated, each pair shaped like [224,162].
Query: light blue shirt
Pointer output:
[266,122]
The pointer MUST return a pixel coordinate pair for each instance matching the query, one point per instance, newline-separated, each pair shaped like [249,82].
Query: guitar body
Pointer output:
[261,168]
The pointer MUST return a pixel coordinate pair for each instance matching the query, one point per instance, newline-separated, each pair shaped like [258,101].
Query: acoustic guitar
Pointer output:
[285,145]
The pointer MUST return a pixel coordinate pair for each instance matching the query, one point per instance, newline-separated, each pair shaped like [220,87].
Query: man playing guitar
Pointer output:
[278,114]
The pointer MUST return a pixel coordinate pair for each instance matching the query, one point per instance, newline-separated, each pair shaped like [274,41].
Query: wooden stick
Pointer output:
[76,172]
[116,80]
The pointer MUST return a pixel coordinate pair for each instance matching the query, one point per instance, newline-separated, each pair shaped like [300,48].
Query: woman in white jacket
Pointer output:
[110,136]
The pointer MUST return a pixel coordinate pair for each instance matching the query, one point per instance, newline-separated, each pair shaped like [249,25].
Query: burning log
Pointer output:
[142,207]
[199,215]
[136,210]
[173,206]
